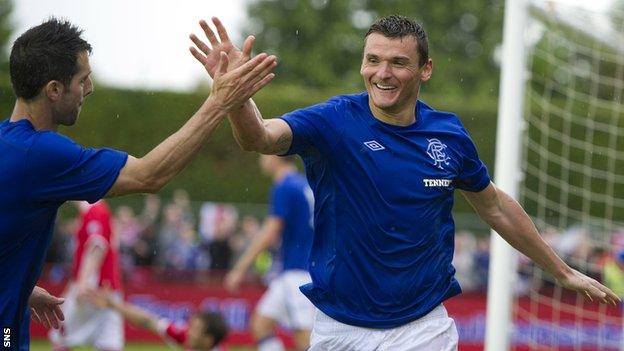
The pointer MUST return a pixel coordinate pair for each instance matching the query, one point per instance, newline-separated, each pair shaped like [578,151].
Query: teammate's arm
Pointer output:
[251,131]
[512,223]
[268,234]
[229,90]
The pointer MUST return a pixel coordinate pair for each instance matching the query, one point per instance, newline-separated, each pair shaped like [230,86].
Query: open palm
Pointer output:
[208,55]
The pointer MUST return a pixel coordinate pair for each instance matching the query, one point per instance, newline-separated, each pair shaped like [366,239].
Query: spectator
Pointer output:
[128,228]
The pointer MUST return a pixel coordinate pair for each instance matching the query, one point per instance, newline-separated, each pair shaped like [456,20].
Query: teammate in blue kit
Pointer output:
[41,169]
[383,167]
[289,220]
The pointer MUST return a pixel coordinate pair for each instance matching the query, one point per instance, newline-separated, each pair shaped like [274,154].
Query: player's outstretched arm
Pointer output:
[511,222]
[251,131]
[46,308]
[136,316]
[268,234]
[229,90]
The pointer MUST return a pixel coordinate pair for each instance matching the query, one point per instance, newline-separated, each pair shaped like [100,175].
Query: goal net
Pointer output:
[573,173]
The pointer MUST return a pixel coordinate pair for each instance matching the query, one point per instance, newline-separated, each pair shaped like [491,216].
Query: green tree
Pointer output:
[6,6]
[319,42]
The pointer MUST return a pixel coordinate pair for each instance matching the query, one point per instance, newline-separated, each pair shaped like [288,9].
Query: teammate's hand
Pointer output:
[208,55]
[590,288]
[232,88]
[233,280]
[45,308]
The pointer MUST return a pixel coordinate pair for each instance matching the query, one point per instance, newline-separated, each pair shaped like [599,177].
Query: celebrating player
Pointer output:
[383,166]
[41,169]
[290,219]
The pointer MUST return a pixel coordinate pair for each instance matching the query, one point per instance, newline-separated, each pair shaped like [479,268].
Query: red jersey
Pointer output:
[96,229]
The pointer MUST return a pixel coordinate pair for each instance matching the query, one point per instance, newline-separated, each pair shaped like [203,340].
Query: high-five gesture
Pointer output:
[232,88]
[208,55]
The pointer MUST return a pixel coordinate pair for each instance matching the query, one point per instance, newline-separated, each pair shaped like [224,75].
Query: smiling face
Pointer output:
[392,75]
[67,108]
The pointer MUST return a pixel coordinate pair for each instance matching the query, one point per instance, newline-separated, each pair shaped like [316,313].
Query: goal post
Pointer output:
[502,269]
[560,153]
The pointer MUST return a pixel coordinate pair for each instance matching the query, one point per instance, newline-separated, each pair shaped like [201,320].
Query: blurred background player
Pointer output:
[204,331]
[96,264]
[290,219]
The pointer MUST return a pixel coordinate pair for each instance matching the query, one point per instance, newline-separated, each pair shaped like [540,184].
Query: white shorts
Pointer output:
[86,324]
[285,303]
[435,331]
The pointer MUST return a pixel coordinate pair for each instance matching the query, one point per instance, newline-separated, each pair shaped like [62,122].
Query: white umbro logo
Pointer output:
[373,145]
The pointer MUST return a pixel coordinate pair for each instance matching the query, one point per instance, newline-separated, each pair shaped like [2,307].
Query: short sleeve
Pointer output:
[61,170]
[474,174]
[279,202]
[314,127]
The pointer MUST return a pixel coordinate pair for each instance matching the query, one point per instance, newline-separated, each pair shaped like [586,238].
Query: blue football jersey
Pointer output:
[292,201]
[39,171]
[384,234]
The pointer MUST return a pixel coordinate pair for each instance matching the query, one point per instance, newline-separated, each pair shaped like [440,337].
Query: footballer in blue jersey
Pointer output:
[41,169]
[289,224]
[383,167]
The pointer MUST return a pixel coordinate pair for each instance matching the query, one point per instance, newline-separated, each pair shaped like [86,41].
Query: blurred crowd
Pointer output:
[180,238]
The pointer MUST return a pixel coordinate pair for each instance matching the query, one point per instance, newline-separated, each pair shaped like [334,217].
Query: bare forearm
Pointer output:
[262,242]
[91,263]
[516,227]
[253,133]
[174,153]
[135,315]
[248,126]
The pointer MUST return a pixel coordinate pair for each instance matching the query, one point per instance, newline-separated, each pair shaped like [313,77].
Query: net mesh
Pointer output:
[573,164]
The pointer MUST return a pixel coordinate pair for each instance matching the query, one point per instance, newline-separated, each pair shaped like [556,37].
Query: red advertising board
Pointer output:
[177,300]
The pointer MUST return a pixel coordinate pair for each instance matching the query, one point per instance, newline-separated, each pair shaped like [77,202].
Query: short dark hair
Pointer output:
[43,53]
[214,325]
[397,26]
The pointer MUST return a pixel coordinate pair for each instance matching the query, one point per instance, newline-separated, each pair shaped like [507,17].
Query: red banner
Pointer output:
[178,299]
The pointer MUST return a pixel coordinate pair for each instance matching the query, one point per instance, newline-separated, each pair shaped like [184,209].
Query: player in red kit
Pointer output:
[204,331]
[95,265]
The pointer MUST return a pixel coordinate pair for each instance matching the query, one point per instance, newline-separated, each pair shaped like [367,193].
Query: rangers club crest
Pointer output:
[435,150]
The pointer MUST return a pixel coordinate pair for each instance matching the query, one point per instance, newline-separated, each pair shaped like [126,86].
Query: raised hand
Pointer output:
[232,88]
[45,308]
[208,55]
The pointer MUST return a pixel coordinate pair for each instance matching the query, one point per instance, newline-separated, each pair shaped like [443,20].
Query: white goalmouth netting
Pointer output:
[573,173]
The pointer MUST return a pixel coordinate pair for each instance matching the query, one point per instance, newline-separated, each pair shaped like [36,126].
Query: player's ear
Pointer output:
[54,90]
[426,70]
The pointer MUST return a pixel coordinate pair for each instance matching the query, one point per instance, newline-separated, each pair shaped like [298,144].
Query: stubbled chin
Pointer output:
[383,100]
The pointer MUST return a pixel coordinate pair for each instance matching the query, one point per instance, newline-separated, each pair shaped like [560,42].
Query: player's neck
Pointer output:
[403,117]
[283,172]
[38,115]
